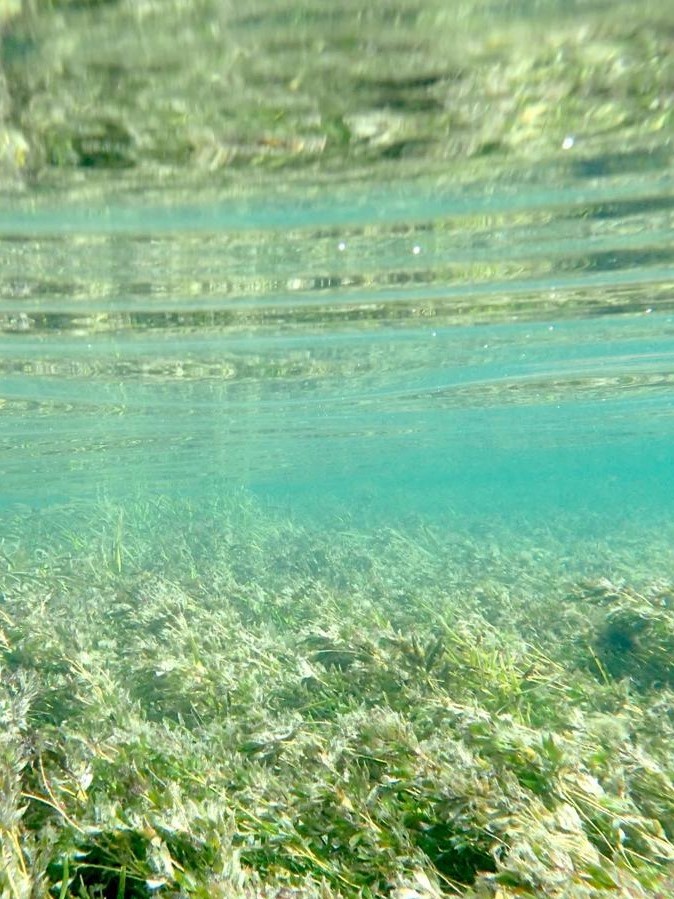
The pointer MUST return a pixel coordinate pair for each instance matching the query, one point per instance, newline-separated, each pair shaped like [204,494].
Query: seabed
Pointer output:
[229,702]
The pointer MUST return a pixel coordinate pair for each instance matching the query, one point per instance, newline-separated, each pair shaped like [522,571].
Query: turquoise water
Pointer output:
[418,353]
[336,449]
[422,269]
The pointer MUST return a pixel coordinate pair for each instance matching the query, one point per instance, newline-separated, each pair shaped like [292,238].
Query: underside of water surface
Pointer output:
[336,449]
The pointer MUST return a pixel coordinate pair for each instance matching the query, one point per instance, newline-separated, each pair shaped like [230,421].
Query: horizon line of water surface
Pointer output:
[263,208]
[490,252]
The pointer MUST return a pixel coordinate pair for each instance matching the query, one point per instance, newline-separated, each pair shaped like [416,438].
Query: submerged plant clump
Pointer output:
[241,706]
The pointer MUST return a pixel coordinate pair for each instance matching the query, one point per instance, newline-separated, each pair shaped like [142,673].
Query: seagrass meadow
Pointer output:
[227,701]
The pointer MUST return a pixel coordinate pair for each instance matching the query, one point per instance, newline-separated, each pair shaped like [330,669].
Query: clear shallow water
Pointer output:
[336,444]
[508,355]
[395,261]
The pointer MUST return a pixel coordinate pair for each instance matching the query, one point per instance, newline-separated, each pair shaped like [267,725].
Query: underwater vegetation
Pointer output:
[234,704]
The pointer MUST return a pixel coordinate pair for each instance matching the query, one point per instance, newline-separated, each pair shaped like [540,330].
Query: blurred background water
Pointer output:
[393,261]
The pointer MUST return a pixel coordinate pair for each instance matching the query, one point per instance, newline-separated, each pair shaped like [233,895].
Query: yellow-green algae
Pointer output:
[224,702]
